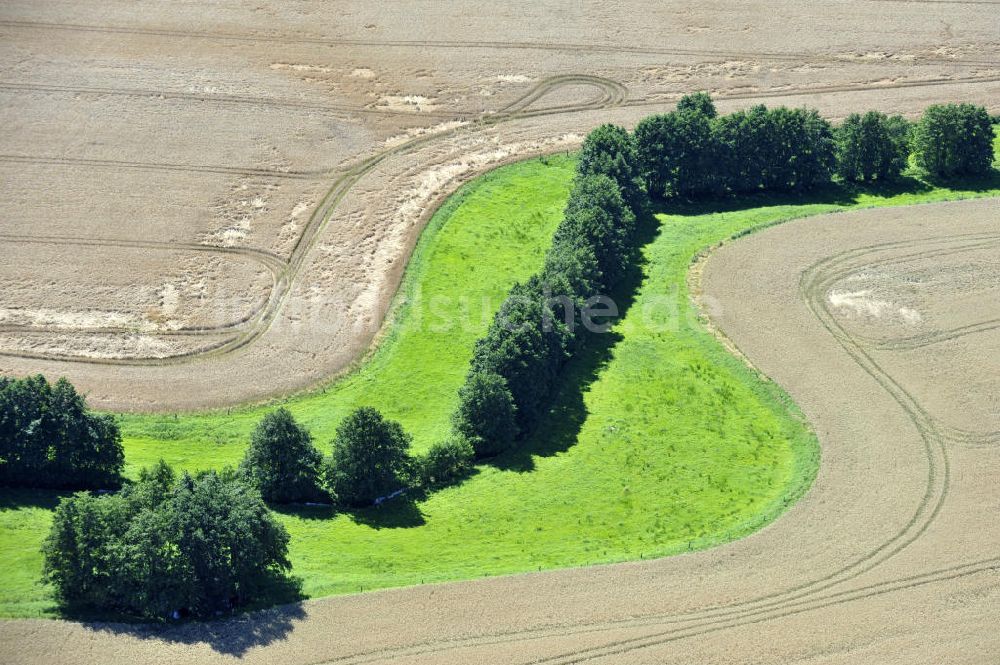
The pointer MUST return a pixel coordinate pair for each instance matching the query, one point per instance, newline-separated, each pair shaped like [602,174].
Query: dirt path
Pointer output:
[891,557]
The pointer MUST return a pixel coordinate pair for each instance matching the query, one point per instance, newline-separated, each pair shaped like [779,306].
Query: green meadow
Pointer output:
[658,441]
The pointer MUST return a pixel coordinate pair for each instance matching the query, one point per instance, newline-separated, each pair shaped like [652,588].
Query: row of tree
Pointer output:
[545,320]
[692,151]
[370,459]
[49,438]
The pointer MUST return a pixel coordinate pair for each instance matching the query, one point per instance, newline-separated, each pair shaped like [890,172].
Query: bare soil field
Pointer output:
[208,203]
[890,558]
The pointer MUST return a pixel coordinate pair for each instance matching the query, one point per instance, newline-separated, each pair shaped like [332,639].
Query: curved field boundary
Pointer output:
[792,56]
[612,94]
[814,594]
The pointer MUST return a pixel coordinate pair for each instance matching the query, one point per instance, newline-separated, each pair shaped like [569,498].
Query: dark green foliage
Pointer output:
[778,149]
[954,140]
[281,461]
[525,345]
[446,462]
[678,153]
[597,215]
[194,545]
[872,146]
[48,438]
[609,150]
[486,416]
[370,458]
[698,102]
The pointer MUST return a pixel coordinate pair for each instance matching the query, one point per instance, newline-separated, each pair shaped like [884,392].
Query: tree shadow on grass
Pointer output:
[981,183]
[232,635]
[15,498]
[401,512]
[559,428]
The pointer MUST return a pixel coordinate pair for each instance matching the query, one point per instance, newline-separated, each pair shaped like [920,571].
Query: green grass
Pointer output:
[659,441]
[491,233]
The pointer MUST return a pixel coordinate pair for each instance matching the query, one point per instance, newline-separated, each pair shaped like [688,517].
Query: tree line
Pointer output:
[207,543]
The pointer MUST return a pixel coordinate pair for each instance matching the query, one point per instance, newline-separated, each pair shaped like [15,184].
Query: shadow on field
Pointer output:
[13,499]
[233,637]
[399,513]
[560,427]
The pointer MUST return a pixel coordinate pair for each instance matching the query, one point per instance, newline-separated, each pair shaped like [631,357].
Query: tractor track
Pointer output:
[612,94]
[821,592]
[722,54]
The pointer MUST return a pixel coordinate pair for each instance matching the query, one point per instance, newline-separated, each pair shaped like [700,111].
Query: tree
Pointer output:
[525,344]
[954,140]
[162,545]
[281,461]
[697,102]
[49,438]
[446,462]
[872,147]
[370,458]
[597,214]
[774,149]
[486,415]
[678,151]
[609,150]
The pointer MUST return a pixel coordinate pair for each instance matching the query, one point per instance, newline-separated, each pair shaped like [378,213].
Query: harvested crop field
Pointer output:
[260,174]
[890,557]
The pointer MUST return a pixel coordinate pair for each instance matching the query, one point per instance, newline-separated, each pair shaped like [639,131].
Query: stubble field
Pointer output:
[227,199]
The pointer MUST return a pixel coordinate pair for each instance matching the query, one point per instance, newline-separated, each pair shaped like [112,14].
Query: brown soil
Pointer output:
[308,141]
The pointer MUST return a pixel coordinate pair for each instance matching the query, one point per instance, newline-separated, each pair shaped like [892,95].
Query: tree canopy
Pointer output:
[281,461]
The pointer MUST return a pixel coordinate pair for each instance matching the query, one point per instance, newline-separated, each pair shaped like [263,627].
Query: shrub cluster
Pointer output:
[954,140]
[539,326]
[165,545]
[48,438]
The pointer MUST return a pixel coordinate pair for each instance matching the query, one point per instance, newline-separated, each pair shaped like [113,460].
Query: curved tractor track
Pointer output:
[285,271]
[821,592]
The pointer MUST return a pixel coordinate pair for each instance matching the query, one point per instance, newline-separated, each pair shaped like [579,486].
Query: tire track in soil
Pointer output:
[613,94]
[814,284]
[790,56]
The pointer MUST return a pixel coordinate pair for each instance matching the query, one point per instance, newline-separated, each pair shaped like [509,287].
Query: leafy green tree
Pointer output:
[370,458]
[525,345]
[778,149]
[953,140]
[446,462]
[49,438]
[486,415]
[678,152]
[281,461]
[162,545]
[698,102]
[597,214]
[609,150]
[872,147]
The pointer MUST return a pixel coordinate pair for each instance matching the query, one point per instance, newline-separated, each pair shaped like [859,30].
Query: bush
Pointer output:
[446,462]
[954,140]
[194,545]
[609,150]
[698,102]
[872,147]
[281,461]
[486,415]
[370,458]
[49,438]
